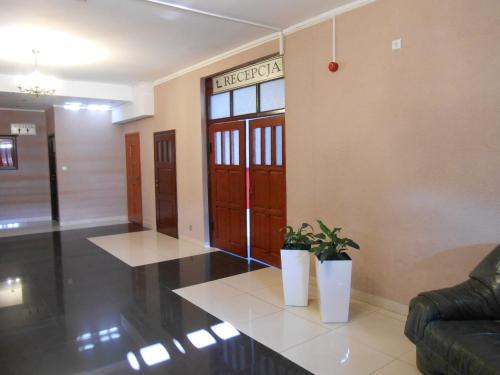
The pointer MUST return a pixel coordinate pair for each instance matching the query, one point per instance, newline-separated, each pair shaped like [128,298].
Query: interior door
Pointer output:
[134,189]
[166,183]
[267,188]
[228,187]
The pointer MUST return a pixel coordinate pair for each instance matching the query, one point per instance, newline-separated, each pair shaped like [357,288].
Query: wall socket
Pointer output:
[397,44]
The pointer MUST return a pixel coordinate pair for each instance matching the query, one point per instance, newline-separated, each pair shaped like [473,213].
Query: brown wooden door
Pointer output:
[267,188]
[134,189]
[228,187]
[166,183]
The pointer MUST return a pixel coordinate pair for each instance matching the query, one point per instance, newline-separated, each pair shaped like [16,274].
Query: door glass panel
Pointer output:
[218,148]
[227,147]
[268,141]
[219,106]
[236,147]
[245,101]
[256,146]
[158,151]
[272,95]
[279,145]
[165,151]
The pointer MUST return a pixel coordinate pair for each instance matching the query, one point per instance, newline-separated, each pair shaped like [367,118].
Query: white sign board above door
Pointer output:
[23,129]
[261,71]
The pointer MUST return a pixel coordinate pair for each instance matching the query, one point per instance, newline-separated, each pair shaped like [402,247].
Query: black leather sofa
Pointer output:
[457,330]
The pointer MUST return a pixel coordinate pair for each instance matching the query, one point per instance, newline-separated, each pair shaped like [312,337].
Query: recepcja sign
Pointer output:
[265,70]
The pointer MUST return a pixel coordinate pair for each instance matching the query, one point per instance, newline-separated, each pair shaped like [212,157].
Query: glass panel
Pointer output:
[165,151]
[227,147]
[219,106]
[158,151]
[218,148]
[272,95]
[256,146]
[170,151]
[268,141]
[279,145]
[236,147]
[245,101]
[8,153]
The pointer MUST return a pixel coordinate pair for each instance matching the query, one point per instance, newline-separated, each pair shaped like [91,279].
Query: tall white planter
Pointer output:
[295,274]
[334,285]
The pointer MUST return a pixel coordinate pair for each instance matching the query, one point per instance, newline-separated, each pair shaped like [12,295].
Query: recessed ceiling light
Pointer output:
[59,48]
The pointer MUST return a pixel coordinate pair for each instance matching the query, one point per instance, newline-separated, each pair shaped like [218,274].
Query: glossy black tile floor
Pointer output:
[69,307]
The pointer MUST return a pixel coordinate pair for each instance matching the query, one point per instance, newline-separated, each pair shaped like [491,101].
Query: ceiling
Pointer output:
[129,41]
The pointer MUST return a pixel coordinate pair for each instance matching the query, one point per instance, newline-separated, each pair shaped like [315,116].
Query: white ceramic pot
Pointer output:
[295,274]
[334,286]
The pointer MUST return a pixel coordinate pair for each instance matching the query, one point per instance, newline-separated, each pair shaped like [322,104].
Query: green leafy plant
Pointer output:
[327,244]
[300,239]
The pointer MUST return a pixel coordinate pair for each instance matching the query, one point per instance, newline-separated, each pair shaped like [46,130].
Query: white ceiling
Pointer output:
[144,41]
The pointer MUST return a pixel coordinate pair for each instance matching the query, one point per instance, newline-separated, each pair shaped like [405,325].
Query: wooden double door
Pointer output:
[259,188]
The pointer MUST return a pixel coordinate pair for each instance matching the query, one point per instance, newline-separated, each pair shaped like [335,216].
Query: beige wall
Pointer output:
[25,192]
[402,148]
[93,187]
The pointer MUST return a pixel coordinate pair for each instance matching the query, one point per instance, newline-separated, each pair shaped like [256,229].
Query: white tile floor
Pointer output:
[146,247]
[371,343]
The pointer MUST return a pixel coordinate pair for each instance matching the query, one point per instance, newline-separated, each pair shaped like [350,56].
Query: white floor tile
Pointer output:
[379,332]
[398,368]
[207,293]
[240,309]
[140,248]
[336,354]
[410,357]
[393,315]
[281,330]
[255,280]
[356,311]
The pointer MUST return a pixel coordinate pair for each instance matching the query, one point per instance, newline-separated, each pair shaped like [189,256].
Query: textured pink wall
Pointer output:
[25,193]
[403,147]
[93,187]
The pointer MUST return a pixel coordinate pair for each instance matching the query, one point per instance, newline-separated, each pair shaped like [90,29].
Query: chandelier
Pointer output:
[37,83]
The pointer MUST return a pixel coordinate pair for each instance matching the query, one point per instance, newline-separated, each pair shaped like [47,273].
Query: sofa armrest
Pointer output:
[470,300]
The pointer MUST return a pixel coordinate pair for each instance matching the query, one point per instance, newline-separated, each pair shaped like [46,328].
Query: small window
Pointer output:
[8,152]
[245,101]
[220,106]
[236,147]
[279,145]
[218,148]
[256,146]
[272,95]
[227,147]
[268,141]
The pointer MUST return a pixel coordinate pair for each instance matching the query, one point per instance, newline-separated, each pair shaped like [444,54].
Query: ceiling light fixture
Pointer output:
[37,83]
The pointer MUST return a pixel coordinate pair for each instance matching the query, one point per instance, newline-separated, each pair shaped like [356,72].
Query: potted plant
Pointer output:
[295,261]
[333,273]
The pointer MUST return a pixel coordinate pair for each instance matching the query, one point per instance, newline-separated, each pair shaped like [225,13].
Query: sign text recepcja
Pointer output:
[265,70]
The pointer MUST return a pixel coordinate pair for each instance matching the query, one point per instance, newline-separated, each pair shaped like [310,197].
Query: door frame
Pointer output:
[166,132]
[140,222]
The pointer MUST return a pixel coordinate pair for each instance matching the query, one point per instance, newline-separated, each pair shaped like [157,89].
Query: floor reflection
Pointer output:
[73,308]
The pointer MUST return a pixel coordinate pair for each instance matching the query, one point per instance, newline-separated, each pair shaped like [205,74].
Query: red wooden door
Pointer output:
[267,188]
[134,190]
[227,187]
[166,183]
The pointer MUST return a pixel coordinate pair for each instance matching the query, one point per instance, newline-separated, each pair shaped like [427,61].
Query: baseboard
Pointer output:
[194,241]
[26,220]
[96,221]
[384,303]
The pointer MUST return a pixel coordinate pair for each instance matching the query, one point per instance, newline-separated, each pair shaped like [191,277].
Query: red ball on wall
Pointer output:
[333,66]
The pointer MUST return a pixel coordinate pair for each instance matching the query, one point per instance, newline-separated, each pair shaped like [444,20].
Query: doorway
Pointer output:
[134,184]
[166,183]
[54,197]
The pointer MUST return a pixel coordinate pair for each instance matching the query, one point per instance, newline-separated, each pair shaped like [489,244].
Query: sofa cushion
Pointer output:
[470,347]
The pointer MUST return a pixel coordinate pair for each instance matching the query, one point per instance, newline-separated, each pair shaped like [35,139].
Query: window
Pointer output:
[272,95]
[220,105]
[245,101]
[8,152]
